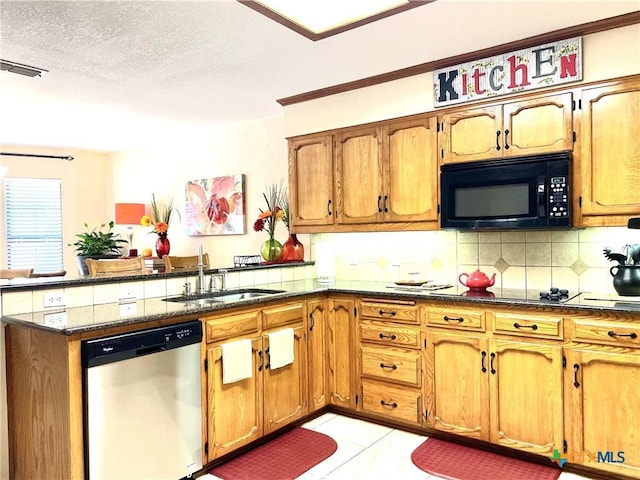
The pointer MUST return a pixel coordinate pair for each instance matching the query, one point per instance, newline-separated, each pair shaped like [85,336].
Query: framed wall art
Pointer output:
[215,206]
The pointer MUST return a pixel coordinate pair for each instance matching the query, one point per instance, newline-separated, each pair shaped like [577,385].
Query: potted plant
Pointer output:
[96,243]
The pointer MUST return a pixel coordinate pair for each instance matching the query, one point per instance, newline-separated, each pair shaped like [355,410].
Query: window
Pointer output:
[33,216]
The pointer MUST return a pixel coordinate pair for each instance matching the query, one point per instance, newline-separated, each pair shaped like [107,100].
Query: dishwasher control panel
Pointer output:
[116,348]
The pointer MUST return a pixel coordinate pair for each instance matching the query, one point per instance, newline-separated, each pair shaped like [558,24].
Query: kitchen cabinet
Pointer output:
[538,124]
[610,153]
[316,351]
[340,345]
[388,172]
[311,198]
[496,386]
[390,359]
[240,412]
[602,387]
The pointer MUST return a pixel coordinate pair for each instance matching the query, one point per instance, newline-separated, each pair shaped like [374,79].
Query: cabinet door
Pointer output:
[316,345]
[473,134]
[525,389]
[604,388]
[457,384]
[359,175]
[610,151]
[340,345]
[410,171]
[234,416]
[311,180]
[285,388]
[539,125]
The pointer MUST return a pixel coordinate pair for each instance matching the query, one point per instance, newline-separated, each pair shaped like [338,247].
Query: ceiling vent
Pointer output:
[20,69]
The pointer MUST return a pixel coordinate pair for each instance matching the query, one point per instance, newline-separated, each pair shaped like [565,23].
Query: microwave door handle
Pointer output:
[542,197]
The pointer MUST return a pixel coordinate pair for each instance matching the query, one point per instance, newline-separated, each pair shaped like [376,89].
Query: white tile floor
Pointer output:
[368,451]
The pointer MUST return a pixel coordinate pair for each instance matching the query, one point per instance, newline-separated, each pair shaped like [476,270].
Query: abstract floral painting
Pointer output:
[215,206]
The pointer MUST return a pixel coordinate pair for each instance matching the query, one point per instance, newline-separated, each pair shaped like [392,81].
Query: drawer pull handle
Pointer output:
[532,327]
[387,312]
[506,141]
[385,404]
[632,335]
[379,206]
[484,355]
[498,140]
[493,357]
[392,366]
[313,322]
[392,336]
[329,207]
[576,368]
[386,209]
[452,319]
[268,355]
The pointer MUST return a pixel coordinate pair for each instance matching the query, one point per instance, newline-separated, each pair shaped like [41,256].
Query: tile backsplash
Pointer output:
[532,259]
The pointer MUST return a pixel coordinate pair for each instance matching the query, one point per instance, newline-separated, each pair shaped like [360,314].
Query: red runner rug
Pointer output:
[283,458]
[457,462]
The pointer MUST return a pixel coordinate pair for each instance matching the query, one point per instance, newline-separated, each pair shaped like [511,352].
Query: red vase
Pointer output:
[162,245]
[292,249]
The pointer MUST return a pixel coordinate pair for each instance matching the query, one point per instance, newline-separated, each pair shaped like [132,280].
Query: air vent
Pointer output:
[20,69]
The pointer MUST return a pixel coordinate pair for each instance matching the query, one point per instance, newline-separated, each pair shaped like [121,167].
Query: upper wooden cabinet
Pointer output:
[537,125]
[388,172]
[311,199]
[610,153]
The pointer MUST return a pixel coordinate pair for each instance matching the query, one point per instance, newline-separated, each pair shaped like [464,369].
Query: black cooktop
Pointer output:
[553,295]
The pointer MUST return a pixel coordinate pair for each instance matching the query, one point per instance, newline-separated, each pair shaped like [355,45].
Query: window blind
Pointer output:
[33,223]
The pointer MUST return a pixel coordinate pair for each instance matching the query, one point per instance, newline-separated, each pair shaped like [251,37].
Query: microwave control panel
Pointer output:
[558,197]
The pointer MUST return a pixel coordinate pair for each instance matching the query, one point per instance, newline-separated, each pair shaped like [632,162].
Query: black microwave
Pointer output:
[519,192]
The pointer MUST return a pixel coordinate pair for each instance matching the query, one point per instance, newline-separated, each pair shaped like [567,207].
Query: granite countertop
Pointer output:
[77,320]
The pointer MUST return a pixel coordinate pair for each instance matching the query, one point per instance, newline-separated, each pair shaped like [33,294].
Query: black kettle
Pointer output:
[626,279]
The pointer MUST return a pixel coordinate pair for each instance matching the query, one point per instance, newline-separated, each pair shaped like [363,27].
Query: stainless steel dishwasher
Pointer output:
[142,404]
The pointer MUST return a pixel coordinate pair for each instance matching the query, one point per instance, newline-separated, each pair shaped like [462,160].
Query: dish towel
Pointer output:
[281,348]
[236,361]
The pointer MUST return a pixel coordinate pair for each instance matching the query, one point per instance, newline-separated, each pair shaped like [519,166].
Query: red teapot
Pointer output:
[477,280]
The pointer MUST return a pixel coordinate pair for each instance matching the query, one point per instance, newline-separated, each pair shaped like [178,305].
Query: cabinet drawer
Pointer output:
[281,315]
[458,318]
[391,401]
[611,333]
[400,312]
[527,325]
[391,365]
[232,325]
[389,335]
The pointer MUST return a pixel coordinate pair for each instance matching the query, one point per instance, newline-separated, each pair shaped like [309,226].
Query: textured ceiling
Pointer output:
[123,72]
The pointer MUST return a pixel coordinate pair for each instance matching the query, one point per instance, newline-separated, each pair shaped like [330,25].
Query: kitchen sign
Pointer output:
[536,67]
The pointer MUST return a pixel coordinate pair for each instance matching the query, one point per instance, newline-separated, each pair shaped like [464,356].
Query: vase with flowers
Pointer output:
[160,222]
[292,249]
[271,250]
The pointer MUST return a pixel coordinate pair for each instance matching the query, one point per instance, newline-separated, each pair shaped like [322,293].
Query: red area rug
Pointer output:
[285,457]
[457,462]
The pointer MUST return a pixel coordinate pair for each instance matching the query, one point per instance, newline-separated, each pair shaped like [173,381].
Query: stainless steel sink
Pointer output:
[223,296]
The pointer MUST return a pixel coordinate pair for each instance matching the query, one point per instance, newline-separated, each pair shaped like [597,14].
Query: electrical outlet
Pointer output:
[58,319]
[54,300]
[127,291]
[127,309]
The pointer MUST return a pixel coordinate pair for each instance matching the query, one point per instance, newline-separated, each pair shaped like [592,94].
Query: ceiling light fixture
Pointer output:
[20,69]
[318,19]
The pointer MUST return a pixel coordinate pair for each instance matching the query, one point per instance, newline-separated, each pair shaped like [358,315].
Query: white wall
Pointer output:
[257,149]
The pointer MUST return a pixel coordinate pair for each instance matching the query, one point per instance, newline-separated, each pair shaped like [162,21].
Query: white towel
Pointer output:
[236,361]
[281,348]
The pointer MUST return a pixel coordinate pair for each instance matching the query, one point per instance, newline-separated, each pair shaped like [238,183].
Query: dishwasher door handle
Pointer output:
[152,349]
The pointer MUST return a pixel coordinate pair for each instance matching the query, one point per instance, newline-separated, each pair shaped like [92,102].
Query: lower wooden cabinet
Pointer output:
[340,345]
[243,411]
[316,328]
[506,392]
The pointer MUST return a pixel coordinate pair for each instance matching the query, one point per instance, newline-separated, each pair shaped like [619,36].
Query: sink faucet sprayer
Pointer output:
[201,281]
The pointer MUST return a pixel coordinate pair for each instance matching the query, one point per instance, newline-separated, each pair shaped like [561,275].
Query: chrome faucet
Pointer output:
[222,275]
[201,281]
